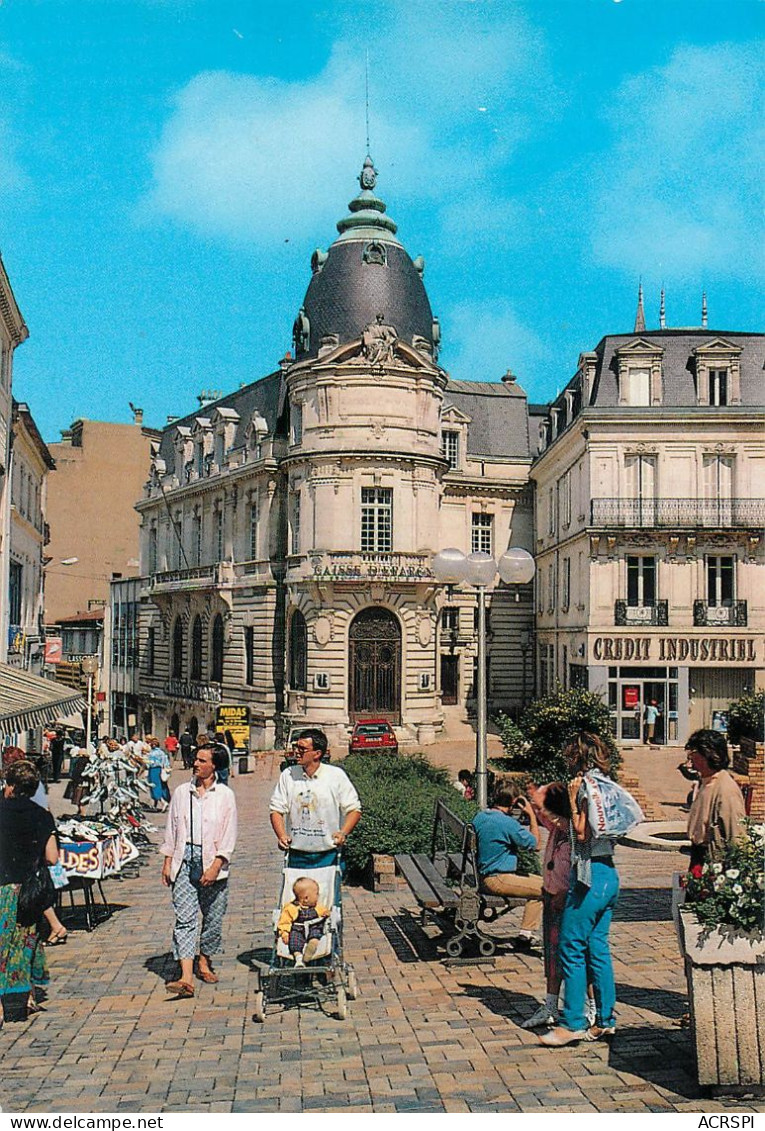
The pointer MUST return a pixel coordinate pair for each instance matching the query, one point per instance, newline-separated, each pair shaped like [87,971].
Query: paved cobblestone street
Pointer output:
[422,1037]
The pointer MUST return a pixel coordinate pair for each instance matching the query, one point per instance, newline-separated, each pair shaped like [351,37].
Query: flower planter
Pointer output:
[726,988]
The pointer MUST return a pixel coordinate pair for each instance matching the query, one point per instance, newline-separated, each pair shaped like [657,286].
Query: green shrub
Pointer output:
[398,799]
[534,744]
[745,717]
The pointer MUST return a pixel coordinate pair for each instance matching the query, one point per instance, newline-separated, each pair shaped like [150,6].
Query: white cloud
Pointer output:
[258,160]
[483,339]
[681,190]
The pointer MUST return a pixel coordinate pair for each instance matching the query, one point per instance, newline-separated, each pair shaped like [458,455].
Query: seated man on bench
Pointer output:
[499,837]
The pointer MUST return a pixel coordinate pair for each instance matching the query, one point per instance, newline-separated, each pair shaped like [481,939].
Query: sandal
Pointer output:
[57,939]
[207,975]
[180,989]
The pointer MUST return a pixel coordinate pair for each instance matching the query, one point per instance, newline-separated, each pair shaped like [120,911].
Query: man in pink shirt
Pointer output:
[199,839]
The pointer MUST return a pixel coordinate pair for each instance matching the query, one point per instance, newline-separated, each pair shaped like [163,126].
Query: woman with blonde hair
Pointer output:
[583,945]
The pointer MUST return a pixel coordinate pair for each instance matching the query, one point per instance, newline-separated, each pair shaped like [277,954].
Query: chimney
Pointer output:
[138,416]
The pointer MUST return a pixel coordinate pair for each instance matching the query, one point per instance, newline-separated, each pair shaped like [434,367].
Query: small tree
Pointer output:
[746,717]
[534,745]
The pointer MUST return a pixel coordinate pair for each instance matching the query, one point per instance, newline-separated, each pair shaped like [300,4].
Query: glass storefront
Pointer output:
[631,690]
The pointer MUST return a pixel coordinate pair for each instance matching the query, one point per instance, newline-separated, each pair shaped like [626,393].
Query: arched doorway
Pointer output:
[375,665]
[175,725]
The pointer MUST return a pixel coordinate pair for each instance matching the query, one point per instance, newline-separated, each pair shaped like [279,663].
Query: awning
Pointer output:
[26,701]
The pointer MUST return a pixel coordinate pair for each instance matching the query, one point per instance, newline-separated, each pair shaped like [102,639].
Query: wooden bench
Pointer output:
[458,906]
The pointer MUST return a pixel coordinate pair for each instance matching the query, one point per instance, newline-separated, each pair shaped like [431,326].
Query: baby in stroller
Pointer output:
[302,921]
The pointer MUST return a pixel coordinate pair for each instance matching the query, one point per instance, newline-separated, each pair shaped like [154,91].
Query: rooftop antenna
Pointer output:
[366,87]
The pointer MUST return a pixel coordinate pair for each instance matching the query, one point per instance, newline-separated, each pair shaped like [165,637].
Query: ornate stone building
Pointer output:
[30,463]
[649,521]
[287,529]
[13,331]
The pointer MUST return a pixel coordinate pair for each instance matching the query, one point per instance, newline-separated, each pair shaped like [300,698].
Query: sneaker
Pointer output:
[542,1018]
[299,960]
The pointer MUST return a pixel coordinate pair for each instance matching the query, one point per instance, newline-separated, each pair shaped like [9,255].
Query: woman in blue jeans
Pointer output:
[583,950]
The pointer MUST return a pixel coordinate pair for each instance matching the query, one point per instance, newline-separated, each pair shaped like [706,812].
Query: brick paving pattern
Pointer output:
[423,1036]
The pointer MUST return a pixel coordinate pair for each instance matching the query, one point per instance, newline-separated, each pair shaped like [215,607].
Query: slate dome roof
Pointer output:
[366,272]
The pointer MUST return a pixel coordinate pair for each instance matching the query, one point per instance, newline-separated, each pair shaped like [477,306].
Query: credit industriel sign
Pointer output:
[674,649]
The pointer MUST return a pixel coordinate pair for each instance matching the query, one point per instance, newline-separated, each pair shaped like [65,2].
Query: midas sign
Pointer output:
[231,717]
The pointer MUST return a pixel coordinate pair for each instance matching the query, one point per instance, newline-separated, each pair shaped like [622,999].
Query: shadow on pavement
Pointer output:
[515,1006]
[652,905]
[256,956]
[658,1056]
[163,965]
[667,1003]
[407,938]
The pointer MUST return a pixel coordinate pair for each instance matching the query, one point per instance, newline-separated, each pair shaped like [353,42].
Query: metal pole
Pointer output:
[481,768]
[90,702]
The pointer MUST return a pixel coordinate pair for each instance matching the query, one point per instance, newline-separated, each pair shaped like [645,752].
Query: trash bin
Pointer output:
[243,764]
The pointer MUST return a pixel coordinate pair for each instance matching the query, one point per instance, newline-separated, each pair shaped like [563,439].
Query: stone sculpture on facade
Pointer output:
[378,341]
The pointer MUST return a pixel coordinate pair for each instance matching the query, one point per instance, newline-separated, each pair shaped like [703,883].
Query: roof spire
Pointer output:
[640,313]
[368,219]
[662,313]
[703,310]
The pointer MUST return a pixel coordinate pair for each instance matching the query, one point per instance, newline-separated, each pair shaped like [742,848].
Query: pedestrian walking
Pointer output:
[199,839]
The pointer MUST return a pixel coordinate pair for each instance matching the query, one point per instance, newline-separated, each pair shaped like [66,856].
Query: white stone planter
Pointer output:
[726,988]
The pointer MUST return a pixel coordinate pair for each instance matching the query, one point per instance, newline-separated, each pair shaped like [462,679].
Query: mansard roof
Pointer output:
[498,427]
[260,397]
[678,364]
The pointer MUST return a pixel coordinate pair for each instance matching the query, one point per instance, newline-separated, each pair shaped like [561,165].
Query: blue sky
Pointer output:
[168,166]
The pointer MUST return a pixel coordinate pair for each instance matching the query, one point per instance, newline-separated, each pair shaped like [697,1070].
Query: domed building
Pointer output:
[288,528]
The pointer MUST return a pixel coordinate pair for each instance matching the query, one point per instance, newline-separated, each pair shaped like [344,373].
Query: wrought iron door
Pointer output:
[375,665]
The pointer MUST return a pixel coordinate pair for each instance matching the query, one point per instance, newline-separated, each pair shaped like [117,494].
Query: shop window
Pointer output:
[216,667]
[721,579]
[376,520]
[641,581]
[196,649]
[482,532]
[298,669]
[177,668]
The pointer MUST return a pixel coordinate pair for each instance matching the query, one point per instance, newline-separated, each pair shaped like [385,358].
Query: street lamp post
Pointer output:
[89,665]
[451,567]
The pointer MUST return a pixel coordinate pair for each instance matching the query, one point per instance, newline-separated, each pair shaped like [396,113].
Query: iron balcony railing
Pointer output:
[734,613]
[656,613]
[714,514]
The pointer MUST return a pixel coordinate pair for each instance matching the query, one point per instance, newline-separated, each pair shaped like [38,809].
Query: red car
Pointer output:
[373,734]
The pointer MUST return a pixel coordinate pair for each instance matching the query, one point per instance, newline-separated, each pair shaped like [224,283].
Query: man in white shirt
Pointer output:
[314,806]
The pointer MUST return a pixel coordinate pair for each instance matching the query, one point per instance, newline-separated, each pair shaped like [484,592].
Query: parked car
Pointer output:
[373,734]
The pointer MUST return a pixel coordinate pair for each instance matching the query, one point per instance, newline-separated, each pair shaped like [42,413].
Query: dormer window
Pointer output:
[718,386]
[450,448]
[640,373]
[638,386]
[718,373]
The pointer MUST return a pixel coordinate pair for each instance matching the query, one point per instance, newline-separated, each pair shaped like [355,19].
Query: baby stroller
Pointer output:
[327,977]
